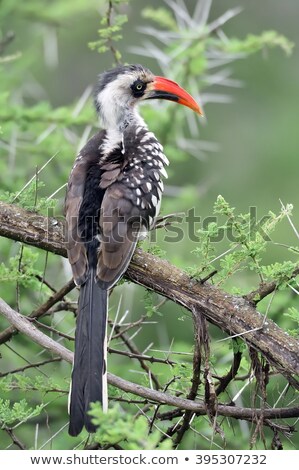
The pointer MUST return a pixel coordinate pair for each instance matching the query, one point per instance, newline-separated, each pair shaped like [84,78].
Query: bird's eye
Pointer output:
[138,88]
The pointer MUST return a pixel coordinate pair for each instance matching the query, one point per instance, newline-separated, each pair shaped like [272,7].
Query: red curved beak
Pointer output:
[169,90]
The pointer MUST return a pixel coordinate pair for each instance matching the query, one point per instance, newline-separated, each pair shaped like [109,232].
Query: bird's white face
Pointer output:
[118,99]
[120,90]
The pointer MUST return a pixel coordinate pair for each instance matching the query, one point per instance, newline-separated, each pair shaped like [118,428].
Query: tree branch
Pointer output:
[25,326]
[6,334]
[234,315]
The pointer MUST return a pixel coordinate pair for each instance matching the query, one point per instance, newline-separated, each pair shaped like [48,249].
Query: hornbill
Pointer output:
[113,197]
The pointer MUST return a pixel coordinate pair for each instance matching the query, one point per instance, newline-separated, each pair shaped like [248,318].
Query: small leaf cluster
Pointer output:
[22,269]
[25,383]
[254,43]
[148,302]
[248,238]
[29,198]
[110,32]
[13,413]
[118,428]
[293,314]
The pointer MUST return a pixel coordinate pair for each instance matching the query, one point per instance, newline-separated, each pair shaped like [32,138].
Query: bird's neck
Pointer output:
[118,118]
[116,123]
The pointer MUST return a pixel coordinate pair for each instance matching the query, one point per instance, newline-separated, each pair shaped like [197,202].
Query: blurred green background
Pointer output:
[250,128]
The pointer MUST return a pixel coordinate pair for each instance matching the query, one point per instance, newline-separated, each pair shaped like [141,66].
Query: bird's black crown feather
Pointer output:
[110,75]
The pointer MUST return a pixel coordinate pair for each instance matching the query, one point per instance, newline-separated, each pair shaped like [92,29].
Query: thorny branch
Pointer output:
[235,315]
[6,334]
[25,326]
[200,346]
[134,350]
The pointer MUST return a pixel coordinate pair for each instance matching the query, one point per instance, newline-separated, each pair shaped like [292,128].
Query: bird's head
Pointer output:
[119,90]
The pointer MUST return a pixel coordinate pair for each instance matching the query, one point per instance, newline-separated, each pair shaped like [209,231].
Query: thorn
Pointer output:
[209,276]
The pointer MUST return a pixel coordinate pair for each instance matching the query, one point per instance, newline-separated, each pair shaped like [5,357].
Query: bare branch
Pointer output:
[226,379]
[265,289]
[14,438]
[137,354]
[6,334]
[25,326]
[141,357]
[30,366]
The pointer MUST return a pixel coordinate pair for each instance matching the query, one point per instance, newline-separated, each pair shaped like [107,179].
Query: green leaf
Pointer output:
[161,16]
[118,427]
[254,43]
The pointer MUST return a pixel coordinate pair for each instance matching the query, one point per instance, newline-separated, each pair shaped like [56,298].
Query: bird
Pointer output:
[113,198]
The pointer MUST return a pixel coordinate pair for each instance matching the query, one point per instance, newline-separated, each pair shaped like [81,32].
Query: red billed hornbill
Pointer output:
[113,196]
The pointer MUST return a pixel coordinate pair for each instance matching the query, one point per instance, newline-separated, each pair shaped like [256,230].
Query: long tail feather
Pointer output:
[89,376]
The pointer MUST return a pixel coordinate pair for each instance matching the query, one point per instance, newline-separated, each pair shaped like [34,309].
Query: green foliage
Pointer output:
[25,117]
[293,314]
[182,373]
[238,345]
[249,240]
[281,272]
[160,16]
[42,11]
[111,31]
[38,122]
[12,413]
[22,269]
[118,427]
[149,305]
[28,198]
[155,250]
[26,383]
[254,43]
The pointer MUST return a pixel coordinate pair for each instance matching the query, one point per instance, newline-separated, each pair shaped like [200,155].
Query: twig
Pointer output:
[142,357]
[226,379]
[134,350]
[6,334]
[128,327]
[53,330]
[129,401]
[109,24]
[14,438]
[208,277]
[266,289]
[19,271]
[200,339]
[63,306]
[42,280]
[29,366]
[167,385]
[25,326]
[37,172]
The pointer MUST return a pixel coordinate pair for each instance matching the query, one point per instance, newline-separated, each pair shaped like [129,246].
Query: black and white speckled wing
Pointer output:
[131,201]
[144,172]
